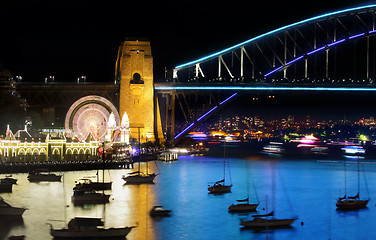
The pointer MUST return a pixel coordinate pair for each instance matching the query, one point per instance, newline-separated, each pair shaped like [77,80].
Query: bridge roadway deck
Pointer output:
[168,87]
[63,94]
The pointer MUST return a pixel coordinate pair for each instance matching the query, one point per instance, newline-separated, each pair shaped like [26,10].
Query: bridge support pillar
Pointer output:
[135,67]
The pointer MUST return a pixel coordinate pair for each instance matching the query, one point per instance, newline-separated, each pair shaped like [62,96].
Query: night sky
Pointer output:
[70,38]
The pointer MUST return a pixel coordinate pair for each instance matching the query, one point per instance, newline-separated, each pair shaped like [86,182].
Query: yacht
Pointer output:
[243,206]
[8,179]
[139,178]
[5,187]
[8,210]
[159,211]
[349,203]
[259,222]
[86,183]
[83,196]
[89,228]
[219,187]
[39,177]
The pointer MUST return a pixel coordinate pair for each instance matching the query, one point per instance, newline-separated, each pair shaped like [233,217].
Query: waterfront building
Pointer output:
[55,146]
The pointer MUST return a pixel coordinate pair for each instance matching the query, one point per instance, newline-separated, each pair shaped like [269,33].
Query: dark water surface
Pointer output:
[304,188]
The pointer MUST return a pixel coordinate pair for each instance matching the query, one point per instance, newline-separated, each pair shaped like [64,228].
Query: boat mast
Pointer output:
[358,176]
[344,164]
[224,162]
[139,151]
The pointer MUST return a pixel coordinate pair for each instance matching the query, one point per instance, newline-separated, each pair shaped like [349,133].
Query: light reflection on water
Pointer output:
[307,188]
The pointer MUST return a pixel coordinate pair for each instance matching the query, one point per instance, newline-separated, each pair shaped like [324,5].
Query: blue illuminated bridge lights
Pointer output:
[260,88]
[216,54]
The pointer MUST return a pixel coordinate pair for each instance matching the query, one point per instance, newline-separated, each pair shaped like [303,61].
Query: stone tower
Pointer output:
[134,71]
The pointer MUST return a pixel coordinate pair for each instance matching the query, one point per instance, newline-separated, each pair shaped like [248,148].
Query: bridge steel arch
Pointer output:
[314,47]
[305,55]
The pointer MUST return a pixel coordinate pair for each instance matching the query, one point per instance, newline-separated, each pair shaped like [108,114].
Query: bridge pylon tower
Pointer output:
[134,70]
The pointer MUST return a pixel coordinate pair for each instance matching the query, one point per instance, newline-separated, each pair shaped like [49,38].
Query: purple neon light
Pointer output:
[233,95]
[206,114]
[317,50]
[336,42]
[357,35]
[190,125]
[273,71]
[294,60]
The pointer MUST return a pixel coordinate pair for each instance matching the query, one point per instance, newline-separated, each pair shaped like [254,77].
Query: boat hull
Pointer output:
[12,211]
[91,199]
[95,186]
[44,178]
[218,189]
[139,179]
[91,233]
[242,207]
[263,223]
[6,187]
[351,204]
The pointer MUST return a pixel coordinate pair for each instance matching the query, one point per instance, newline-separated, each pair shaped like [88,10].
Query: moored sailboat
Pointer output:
[351,202]
[263,221]
[37,176]
[220,187]
[139,177]
[348,202]
[8,210]
[86,196]
[243,206]
[268,220]
[86,183]
[90,228]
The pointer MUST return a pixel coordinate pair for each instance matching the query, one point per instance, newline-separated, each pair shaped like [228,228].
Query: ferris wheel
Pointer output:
[90,114]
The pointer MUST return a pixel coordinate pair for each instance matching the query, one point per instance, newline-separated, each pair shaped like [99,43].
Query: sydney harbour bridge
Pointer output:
[332,52]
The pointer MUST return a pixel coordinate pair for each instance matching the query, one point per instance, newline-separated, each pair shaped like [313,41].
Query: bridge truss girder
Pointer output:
[316,48]
[62,95]
[193,107]
[52,100]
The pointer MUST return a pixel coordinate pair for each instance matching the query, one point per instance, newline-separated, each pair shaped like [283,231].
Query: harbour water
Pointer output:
[306,188]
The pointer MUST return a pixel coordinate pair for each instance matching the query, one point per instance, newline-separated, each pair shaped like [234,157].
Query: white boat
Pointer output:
[8,210]
[274,148]
[266,222]
[90,228]
[139,178]
[353,150]
[82,196]
[168,156]
[159,211]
